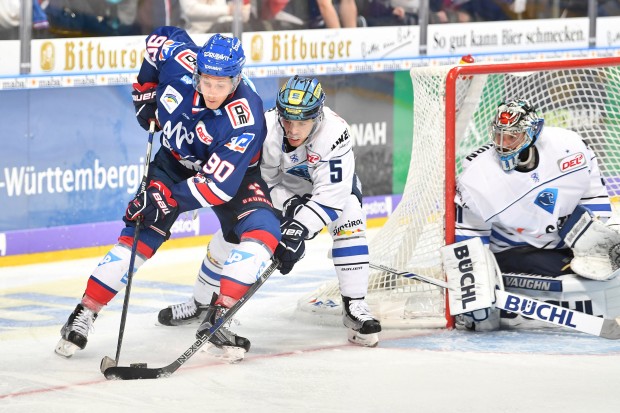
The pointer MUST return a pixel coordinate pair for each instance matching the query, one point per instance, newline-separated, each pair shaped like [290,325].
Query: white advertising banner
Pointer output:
[9,57]
[608,32]
[508,36]
[331,45]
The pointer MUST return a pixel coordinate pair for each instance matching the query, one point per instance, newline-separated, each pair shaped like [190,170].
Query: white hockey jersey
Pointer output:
[510,209]
[324,166]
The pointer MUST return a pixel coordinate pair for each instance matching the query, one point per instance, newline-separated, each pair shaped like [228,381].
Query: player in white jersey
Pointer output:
[521,195]
[309,166]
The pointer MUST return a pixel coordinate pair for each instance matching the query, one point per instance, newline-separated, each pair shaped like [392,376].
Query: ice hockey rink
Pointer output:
[295,365]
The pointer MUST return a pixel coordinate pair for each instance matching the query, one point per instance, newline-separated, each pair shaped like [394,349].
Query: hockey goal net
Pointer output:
[453,107]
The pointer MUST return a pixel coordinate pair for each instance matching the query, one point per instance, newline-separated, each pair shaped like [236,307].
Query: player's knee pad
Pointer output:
[242,268]
[598,298]
[208,280]
[110,276]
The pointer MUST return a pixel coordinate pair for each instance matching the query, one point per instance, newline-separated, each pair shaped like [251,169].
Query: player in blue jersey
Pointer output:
[213,129]
[536,197]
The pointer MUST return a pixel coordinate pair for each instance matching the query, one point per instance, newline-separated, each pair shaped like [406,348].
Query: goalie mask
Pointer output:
[515,128]
[220,56]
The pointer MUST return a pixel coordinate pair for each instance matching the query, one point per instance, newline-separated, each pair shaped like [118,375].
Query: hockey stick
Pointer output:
[535,309]
[106,361]
[406,274]
[136,371]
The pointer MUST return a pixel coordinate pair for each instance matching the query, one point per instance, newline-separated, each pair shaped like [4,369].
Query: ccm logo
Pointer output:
[572,162]
[468,281]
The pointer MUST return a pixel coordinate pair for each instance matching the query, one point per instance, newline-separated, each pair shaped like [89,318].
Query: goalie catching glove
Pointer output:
[595,245]
[153,205]
[292,246]
[145,103]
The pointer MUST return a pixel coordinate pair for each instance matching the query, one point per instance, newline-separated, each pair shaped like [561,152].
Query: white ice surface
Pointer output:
[293,366]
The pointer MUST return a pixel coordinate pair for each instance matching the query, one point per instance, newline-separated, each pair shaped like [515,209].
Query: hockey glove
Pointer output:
[292,246]
[293,205]
[153,204]
[145,103]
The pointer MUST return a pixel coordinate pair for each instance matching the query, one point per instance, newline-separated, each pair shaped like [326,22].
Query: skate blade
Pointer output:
[228,354]
[365,340]
[65,348]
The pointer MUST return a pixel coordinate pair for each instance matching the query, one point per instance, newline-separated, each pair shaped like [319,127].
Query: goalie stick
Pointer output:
[134,372]
[532,308]
[406,274]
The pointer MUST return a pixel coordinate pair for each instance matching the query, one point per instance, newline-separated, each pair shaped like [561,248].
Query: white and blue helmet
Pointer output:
[515,128]
[220,56]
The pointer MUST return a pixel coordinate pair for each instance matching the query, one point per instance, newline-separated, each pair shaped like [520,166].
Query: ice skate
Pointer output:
[363,327]
[224,344]
[190,312]
[75,331]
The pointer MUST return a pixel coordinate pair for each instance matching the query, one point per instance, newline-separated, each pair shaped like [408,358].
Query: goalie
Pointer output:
[537,199]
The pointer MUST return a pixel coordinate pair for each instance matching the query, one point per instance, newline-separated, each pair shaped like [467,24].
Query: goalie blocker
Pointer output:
[471,271]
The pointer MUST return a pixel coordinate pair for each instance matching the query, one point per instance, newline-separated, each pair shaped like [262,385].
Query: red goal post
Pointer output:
[452,110]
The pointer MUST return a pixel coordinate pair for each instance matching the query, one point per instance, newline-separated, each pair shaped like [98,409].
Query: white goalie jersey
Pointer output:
[511,209]
[324,167]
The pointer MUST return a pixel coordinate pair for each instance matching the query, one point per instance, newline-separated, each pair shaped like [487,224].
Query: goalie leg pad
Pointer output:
[471,274]
[601,299]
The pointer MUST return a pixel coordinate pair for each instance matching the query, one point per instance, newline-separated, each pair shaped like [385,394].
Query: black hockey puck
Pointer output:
[138,365]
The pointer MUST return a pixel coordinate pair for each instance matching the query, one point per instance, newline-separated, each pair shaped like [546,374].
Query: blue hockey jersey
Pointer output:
[220,145]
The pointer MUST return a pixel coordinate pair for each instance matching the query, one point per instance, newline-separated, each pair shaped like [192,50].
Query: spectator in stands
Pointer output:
[10,19]
[475,10]
[71,18]
[156,13]
[205,16]
[327,14]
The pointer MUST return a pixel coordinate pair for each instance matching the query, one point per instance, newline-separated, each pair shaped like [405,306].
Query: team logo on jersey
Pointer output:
[240,143]
[203,135]
[168,48]
[572,162]
[300,171]
[187,59]
[294,158]
[187,80]
[312,157]
[546,199]
[239,113]
[171,99]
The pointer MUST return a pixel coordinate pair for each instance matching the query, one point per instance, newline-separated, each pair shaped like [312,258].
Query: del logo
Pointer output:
[203,135]
[546,199]
[312,157]
[239,113]
[187,59]
[572,162]
[240,143]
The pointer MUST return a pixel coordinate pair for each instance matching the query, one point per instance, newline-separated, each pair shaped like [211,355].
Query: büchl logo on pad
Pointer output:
[571,162]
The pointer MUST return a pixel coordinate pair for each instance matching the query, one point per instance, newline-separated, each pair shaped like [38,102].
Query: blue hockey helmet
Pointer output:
[300,98]
[515,127]
[220,56]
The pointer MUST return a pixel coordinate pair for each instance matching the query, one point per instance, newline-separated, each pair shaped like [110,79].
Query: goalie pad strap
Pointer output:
[471,275]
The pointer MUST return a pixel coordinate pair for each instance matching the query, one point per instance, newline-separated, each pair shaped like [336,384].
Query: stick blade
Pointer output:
[133,373]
